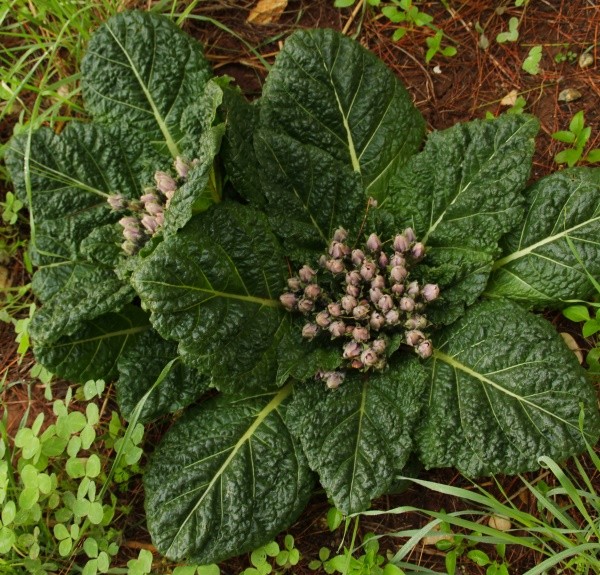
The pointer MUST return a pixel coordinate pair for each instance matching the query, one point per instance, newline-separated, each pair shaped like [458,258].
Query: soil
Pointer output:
[446,91]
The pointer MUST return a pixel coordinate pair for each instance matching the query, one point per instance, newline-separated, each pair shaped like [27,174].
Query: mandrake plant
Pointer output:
[355,291]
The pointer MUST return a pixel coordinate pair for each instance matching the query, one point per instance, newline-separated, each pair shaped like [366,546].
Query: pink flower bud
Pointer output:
[351,350]
[337,329]
[410,235]
[398,289]
[375,294]
[407,304]
[150,195]
[368,270]
[312,291]
[357,257]
[369,357]
[397,260]
[425,349]
[306,274]
[356,364]
[401,243]
[294,284]
[378,282]
[340,235]
[413,289]
[379,346]
[418,251]
[349,303]
[385,303]
[361,311]
[353,278]
[353,290]
[430,292]
[134,235]
[150,224]
[360,333]
[335,266]
[306,305]
[398,274]
[117,202]
[181,167]
[392,317]
[333,379]
[414,337]
[377,320]
[160,218]
[373,243]
[337,250]
[164,182]
[334,309]
[383,260]
[153,208]
[129,222]
[416,322]
[288,300]
[310,330]
[322,319]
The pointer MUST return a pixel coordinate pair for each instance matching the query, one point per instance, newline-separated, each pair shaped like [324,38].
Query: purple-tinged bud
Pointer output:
[333,379]
[337,250]
[306,274]
[117,202]
[306,305]
[340,235]
[398,274]
[417,251]
[294,283]
[407,304]
[361,311]
[354,278]
[181,167]
[149,196]
[356,364]
[414,337]
[357,257]
[378,282]
[349,303]
[383,260]
[410,235]
[337,329]
[335,266]
[398,289]
[401,243]
[129,222]
[351,350]
[310,330]
[368,270]
[425,349]
[334,309]
[375,294]
[164,182]
[392,317]
[150,224]
[353,290]
[386,303]
[397,260]
[288,300]
[323,319]
[369,357]
[373,243]
[430,292]
[153,208]
[379,346]
[377,320]
[349,330]
[360,333]
[416,322]
[134,235]
[160,218]
[312,291]
[323,261]
[413,289]
[129,248]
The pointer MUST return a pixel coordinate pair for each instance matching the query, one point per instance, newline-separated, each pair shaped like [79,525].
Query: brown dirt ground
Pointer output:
[462,88]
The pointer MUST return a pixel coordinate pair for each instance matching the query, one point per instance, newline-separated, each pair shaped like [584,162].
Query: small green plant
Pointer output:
[494,567]
[10,208]
[591,327]
[531,64]
[565,55]
[271,558]
[512,34]
[577,136]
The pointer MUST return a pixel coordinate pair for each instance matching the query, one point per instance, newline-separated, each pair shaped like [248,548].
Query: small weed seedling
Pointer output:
[577,135]
[591,327]
[284,559]
[531,64]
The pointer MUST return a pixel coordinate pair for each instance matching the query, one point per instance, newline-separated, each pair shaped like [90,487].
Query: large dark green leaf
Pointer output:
[358,436]
[225,479]
[326,90]
[214,287]
[309,194]
[505,390]
[546,258]
[142,70]
[461,194]
[93,351]
[139,368]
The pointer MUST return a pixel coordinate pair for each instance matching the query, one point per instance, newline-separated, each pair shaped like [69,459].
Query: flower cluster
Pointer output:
[364,297]
[148,213]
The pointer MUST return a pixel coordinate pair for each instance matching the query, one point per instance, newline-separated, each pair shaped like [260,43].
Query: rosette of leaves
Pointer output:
[333,132]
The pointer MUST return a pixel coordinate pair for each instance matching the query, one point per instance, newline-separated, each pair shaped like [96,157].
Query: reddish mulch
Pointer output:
[446,91]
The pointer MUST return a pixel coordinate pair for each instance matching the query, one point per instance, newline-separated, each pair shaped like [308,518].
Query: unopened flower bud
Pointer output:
[335,266]
[306,305]
[375,294]
[306,274]
[398,274]
[407,304]
[392,317]
[357,257]
[383,260]
[414,337]
[310,330]
[153,208]
[378,282]
[385,303]
[397,260]
[418,251]
[377,320]
[410,235]
[129,222]
[379,346]
[129,248]
[369,357]
[401,243]
[349,303]
[373,243]
[334,309]
[360,333]
[333,379]
[356,364]
[372,202]
[430,292]
[150,223]
[134,235]
[425,349]
[117,202]
[337,250]
[312,291]
[351,350]
[149,195]
[416,322]
[160,218]
[294,284]
[413,289]
[353,278]
[322,319]
[164,182]
[181,167]
[361,311]
[368,270]
[288,301]
[340,235]
[353,290]
[398,289]
[337,329]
